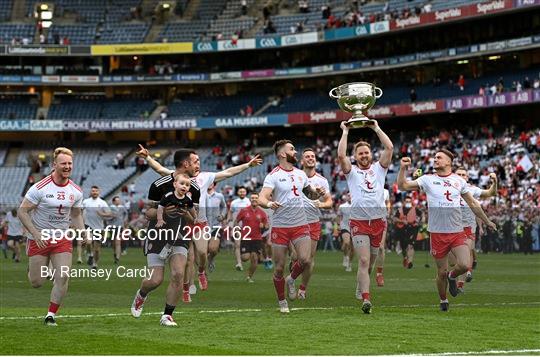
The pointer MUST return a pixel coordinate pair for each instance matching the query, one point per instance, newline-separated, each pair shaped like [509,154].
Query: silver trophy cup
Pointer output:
[356,98]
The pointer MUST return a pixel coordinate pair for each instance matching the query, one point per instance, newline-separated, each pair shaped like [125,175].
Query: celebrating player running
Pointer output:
[368,210]
[51,204]
[286,184]
[444,191]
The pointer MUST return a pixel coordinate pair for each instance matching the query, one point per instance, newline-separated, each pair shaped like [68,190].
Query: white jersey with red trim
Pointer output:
[287,189]
[313,213]
[203,180]
[54,203]
[367,192]
[469,219]
[443,197]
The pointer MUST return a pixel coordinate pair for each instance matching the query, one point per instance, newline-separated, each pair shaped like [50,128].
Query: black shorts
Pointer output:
[250,246]
[15,238]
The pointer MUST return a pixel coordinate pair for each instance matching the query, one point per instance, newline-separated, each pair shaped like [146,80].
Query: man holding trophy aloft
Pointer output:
[365,180]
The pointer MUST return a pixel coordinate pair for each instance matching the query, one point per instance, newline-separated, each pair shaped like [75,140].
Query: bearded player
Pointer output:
[368,210]
[283,191]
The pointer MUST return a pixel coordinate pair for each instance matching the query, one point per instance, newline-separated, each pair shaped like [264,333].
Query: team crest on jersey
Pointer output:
[71,197]
[274,235]
[188,194]
[433,252]
[456,185]
[371,173]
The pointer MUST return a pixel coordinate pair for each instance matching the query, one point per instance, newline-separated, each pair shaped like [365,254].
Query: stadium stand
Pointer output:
[76,34]
[5,9]
[123,33]
[17,107]
[9,32]
[183,31]
[15,178]
[91,107]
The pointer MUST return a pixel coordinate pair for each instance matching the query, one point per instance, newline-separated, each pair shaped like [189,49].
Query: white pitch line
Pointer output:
[489,352]
[182,312]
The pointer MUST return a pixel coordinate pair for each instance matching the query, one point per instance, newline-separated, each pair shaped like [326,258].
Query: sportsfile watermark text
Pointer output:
[165,234]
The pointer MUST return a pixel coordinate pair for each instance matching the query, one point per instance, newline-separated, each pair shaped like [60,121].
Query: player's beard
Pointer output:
[291,159]
[364,163]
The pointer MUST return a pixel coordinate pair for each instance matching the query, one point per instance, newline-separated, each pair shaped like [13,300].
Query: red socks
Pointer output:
[379,270]
[201,270]
[279,284]
[53,307]
[365,296]
[302,287]
[452,274]
[297,269]
[186,287]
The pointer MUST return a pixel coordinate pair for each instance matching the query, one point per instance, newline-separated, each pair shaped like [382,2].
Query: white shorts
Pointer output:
[154,260]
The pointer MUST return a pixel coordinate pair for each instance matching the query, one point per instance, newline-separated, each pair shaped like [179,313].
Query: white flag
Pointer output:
[525,163]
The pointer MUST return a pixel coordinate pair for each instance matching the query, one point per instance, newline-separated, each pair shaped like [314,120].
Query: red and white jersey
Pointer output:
[443,197]
[287,189]
[313,213]
[367,192]
[54,203]
[203,181]
[469,219]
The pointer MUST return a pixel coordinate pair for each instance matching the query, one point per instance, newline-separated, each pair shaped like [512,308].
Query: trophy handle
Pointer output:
[332,95]
[380,92]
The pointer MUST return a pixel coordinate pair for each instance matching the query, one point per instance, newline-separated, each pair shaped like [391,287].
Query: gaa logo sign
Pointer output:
[291,40]
[268,42]
[204,46]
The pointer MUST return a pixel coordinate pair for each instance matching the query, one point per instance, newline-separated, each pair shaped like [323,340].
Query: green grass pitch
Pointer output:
[499,311]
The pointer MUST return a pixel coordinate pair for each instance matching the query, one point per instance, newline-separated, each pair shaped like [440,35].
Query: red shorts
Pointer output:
[61,246]
[284,235]
[441,243]
[469,233]
[315,231]
[374,229]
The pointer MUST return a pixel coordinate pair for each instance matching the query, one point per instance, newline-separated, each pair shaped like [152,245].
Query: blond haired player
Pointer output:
[53,203]
[368,210]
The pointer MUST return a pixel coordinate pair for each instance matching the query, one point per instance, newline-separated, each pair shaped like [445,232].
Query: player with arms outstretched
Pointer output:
[202,180]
